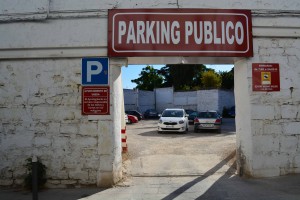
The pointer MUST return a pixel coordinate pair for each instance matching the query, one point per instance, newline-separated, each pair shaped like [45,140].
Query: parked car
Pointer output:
[126,119]
[150,113]
[192,116]
[135,113]
[132,119]
[173,120]
[188,111]
[207,120]
[231,111]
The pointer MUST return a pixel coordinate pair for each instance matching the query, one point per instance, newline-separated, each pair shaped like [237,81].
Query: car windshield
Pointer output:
[172,113]
[194,114]
[208,115]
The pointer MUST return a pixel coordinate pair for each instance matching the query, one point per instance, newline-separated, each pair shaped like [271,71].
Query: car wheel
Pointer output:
[186,130]
[129,121]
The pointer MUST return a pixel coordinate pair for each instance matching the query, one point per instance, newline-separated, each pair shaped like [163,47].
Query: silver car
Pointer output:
[208,120]
[173,120]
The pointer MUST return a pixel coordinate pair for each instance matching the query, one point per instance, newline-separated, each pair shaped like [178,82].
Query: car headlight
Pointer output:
[160,121]
[181,122]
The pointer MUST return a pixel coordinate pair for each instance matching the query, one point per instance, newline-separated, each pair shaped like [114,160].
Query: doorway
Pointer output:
[174,154]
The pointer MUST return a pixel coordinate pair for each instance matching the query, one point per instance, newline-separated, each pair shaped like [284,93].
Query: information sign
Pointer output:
[95,100]
[265,77]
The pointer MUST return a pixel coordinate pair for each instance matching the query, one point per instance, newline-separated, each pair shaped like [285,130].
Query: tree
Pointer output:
[227,79]
[183,76]
[149,79]
[211,79]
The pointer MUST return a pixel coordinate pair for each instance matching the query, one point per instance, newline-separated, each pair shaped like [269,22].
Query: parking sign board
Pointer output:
[95,71]
[95,100]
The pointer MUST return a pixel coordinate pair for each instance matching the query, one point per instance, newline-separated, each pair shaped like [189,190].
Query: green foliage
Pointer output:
[211,79]
[149,79]
[227,79]
[41,173]
[183,76]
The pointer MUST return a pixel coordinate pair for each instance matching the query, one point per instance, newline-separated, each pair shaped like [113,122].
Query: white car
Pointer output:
[173,120]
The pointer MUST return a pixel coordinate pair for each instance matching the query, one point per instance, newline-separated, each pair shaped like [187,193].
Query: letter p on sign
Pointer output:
[95,71]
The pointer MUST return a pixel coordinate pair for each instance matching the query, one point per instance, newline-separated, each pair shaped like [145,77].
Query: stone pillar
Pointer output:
[110,169]
[242,87]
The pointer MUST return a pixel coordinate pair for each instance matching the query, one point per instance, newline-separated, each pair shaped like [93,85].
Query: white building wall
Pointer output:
[40,115]
[275,119]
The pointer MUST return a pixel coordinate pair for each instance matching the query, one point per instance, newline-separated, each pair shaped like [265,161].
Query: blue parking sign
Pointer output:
[95,71]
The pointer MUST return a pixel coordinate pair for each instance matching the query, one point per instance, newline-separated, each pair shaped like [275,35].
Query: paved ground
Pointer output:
[214,187]
[157,172]
[176,154]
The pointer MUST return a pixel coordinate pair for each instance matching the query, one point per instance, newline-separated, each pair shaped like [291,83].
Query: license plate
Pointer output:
[169,126]
[207,125]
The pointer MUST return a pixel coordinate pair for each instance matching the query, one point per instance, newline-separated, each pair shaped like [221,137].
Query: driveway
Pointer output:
[175,154]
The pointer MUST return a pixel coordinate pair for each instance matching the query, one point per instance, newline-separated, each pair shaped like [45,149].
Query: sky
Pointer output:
[132,72]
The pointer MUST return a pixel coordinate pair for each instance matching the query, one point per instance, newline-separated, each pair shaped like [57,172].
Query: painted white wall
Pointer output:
[164,99]
[195,100]
[146,100]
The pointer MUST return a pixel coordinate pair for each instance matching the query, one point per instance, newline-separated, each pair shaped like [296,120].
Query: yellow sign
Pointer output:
[265,78]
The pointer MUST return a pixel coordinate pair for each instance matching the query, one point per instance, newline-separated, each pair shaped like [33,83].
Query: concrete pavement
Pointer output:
[213,185]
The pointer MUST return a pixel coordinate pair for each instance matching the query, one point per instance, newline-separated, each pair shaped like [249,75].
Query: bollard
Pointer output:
[34,178]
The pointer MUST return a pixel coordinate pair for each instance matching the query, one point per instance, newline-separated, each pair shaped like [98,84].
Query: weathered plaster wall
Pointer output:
[275,115]
[40,115]
[271,132]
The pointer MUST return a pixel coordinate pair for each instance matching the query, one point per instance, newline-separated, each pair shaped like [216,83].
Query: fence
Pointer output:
[162,98]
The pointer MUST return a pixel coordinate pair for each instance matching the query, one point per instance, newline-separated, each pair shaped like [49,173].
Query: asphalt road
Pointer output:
[176,154]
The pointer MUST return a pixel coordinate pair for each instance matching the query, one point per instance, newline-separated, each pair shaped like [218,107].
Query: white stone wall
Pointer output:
[41,115]
[270,142]
[275,115]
